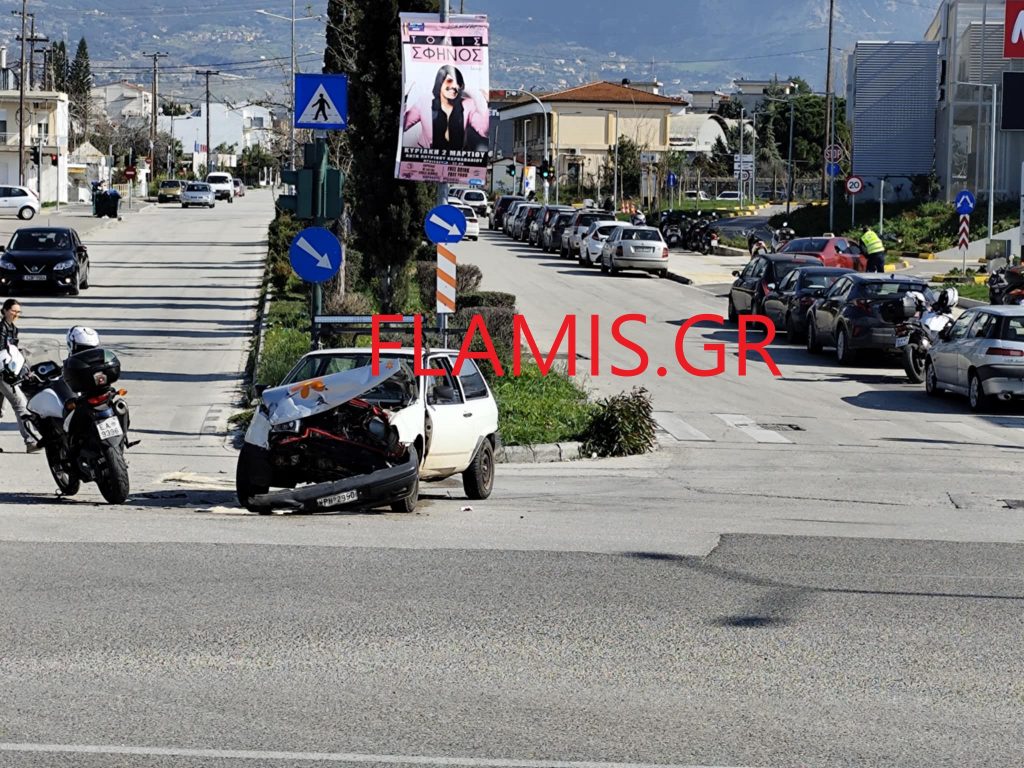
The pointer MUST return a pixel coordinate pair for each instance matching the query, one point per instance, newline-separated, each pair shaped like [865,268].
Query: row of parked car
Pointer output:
[823,303]
[594,237]
[218,186]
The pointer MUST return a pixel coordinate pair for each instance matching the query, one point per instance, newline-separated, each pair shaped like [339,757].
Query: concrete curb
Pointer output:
[543,453]
[897,267]
[917,255]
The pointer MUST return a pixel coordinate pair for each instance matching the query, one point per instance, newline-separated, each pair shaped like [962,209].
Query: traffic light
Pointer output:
[53,160]
[545,170]
[511,171]
[300,203]
[35,155]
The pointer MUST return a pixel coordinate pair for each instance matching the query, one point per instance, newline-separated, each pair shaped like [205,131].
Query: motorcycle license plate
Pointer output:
[902,341]
[109,428]
[338,498]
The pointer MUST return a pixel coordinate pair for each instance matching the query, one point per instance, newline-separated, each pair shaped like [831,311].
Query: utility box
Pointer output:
[998,249]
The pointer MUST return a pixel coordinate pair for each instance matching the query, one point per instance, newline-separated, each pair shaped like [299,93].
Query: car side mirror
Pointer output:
[259,389]
[2,248]
[735,273]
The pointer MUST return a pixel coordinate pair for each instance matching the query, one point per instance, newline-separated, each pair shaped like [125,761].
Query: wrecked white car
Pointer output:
[332,435]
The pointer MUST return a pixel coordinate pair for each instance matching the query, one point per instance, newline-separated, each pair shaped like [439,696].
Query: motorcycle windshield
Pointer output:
[303,399]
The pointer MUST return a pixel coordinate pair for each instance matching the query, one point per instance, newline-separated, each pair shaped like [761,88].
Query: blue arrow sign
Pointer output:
[833,169]
[445,224]
[321,102]
[316,255]
[965,203]
[671,179]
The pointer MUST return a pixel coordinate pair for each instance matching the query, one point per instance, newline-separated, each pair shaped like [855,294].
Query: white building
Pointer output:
[244,126]
[46,129]
[122,101]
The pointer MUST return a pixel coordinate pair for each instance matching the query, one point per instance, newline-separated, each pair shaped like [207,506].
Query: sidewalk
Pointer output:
[78,216]
[698,269]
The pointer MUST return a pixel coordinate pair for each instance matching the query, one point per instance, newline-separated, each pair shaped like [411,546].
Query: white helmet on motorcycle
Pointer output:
[950,297]
[81,338]
[11,363]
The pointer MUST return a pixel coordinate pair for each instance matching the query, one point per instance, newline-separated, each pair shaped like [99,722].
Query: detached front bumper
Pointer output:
[376,488]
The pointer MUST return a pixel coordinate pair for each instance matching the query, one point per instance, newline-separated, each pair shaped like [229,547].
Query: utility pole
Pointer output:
[21,99]
[829,95]
[209,149]
[152,129]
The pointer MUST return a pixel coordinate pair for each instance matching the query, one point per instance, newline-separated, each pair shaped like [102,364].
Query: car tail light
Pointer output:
[618,251]
[1004,352]
[862,304]
[664,253]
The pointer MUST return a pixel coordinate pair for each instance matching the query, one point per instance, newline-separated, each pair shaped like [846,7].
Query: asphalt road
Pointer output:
[816,569]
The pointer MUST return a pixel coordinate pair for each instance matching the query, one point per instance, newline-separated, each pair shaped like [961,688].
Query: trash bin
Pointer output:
[106,204]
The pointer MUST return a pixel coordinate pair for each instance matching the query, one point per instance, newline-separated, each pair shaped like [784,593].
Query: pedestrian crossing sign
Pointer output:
[321,102]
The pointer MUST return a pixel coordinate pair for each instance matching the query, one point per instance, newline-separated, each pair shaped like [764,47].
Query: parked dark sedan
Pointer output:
[551,238]
[851,315]
[787,305]
[44,257]
[762,275]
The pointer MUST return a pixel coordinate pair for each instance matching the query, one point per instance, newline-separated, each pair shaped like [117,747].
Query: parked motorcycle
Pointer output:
[1006,285]
[921,327]
[81,421]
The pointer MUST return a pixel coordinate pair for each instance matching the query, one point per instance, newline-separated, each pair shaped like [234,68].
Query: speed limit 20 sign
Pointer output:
[854,185]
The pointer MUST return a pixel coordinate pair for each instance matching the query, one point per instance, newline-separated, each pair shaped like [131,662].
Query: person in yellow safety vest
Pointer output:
[874,249]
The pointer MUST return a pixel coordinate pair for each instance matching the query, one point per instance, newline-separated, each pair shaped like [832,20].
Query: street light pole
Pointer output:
[544,116]
[991,155]
[526,124]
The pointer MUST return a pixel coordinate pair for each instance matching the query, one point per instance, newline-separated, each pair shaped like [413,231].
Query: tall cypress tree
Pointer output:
[59,62]
[79,83]
[363,41]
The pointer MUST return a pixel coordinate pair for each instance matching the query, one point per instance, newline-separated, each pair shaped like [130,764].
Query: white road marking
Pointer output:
[749,427]
[678,428]
[326,757]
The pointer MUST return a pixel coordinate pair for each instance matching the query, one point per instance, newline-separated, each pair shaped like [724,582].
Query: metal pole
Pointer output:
[21,100]
[615,176]
[881,208]
[789,192]
[753,170]
[442,188]
[992,167]
[556,137]
[739,181]
[525,124]
[828,86]
[831,178]
[443,17]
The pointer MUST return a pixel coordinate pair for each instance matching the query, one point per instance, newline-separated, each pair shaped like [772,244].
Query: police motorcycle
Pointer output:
[80,420]
[921,325]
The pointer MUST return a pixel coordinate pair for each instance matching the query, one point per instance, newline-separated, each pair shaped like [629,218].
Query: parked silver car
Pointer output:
[981,355]
[631,247]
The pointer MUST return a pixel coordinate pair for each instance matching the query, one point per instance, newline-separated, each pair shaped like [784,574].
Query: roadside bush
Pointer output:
[282,347]
[426,281]
[499,326]
[288,313]
[623,425]
[487,299]
[540,409]
[467,278]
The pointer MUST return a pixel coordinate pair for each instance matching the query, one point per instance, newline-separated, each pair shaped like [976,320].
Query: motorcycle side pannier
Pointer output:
[92,369]
[898,310]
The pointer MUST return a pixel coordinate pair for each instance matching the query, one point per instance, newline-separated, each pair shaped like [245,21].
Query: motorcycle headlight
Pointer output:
[67,264]
[288,426]
[8,265]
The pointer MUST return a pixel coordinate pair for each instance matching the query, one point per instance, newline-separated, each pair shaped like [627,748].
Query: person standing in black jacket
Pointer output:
[9,390]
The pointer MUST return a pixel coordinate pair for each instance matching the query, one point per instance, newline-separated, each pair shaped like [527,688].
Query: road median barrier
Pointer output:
[976,279]
[544,453]
[926,256]
[898,266]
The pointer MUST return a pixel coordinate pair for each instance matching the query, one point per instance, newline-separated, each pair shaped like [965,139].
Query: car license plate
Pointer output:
[902,341]
[35,278]
[109,428]
[338,498]
[643,249]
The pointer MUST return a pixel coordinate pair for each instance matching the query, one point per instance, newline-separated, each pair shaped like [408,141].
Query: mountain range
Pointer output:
[536,44]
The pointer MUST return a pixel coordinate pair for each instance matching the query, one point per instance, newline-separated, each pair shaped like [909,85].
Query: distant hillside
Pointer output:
[685,43]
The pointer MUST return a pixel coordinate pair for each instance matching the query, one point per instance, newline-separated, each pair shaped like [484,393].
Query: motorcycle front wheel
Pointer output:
[913,362]
[112,478]
[68,482]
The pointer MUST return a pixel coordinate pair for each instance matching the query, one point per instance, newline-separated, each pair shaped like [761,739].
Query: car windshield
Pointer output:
[586,219]
[38,240]
[169,184]
[399,390]
[817,281]
[783,268]
[893,288]
[563,219]
[641,234]
[807,245]
[218,180]
[196,188]
[604,229]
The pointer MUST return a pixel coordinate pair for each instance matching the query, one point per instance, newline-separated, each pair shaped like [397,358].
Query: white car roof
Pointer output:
[1001,310]
[411,351]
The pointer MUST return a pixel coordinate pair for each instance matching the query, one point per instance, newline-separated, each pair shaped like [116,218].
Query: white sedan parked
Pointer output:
[592,242]
[981,355]
[472,221]
[631,247]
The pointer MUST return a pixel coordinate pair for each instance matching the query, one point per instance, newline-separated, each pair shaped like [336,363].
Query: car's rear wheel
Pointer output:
[976,397]
[792,332]
[26,213]
[478,479]
[844,354]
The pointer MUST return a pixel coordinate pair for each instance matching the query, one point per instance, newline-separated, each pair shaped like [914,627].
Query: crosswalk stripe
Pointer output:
[747,426]
[678,428]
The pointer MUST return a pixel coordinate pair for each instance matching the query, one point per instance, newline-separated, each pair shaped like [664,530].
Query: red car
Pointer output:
[832,251]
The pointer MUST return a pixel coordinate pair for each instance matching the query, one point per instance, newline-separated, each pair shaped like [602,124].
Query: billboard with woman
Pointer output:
[445,124]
